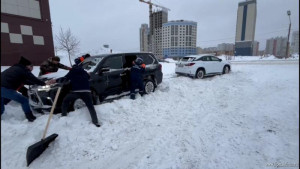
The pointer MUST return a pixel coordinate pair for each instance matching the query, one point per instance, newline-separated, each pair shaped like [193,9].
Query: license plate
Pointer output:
[180,65]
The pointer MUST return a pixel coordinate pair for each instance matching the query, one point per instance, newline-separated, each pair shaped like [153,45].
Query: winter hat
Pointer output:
[24,61]
[56,58]
[86,56]
[138,61]
[77,61]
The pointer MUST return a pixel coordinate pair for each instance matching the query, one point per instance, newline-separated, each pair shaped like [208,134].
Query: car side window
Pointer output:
[214,58]
[205,58]
[148,59]
[114,62]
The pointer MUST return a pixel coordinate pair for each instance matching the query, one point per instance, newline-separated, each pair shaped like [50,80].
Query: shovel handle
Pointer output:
[51,112]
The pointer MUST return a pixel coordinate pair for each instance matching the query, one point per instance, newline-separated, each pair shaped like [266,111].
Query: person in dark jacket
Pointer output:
[136,77]
[22,89]
[14,77]
[81,59]
[52,65]
[80,85]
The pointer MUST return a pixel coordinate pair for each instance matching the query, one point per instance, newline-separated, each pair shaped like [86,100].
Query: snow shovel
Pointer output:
[38,148]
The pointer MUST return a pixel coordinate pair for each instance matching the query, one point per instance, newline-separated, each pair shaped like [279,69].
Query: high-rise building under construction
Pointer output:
[157,19]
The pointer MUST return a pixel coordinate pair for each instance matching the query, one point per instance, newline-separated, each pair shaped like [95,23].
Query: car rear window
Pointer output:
[187,59]
[147,58]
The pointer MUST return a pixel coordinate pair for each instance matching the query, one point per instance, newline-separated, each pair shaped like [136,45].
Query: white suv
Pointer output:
[199,66]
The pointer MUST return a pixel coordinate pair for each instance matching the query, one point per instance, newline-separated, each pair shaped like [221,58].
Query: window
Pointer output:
[26,8]
[92,64]
[148,59]
[214,58]
[205,58]
[114,62]
[187,59]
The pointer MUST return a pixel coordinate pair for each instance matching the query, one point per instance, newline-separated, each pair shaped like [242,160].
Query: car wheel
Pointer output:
[78,104]
[149,86]
[225,70]
[200,74]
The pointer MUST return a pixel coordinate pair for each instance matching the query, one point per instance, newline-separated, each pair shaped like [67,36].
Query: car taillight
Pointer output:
[160,66]
[190,64]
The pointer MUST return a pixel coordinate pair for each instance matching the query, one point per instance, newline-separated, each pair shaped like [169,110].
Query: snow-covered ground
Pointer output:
[246,119]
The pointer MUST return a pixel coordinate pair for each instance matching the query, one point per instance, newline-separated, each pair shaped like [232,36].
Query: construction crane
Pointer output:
[152,4]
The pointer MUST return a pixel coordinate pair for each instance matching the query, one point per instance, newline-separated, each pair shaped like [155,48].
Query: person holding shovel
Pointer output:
[80,85]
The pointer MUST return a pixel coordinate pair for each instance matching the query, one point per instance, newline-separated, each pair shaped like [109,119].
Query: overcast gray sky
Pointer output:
[117,22]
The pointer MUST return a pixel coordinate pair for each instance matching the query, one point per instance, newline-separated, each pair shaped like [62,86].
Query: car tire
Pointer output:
[226,70]
[200,74]
[149,86]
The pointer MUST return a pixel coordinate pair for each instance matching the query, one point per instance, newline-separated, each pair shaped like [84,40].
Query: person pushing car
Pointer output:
[79,80]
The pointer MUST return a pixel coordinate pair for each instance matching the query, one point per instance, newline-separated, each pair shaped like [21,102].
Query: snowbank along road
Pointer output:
[246,119]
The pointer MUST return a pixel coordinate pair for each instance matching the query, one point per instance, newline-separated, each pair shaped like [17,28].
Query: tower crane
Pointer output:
[153,4]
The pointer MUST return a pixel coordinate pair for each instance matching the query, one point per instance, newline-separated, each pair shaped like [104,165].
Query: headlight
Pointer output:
[44,88]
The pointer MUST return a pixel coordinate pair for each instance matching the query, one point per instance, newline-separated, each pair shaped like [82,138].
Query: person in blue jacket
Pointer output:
[15,77]
[136,77]
[80,86]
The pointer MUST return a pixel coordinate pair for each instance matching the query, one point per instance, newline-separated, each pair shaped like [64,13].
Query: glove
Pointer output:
[49,82]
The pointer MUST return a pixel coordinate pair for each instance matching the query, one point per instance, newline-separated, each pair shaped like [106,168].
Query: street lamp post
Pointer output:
[288,43]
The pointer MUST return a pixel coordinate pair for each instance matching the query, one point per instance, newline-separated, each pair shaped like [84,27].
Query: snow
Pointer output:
[246,119]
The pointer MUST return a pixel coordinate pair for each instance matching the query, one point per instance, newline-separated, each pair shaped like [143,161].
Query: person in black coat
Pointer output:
[15,77]
[80,85]
[136,77]
[81,59]
[52,65]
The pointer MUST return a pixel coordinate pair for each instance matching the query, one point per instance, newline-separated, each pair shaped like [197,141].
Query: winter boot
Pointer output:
[30,117]
[96,124]
[141,93]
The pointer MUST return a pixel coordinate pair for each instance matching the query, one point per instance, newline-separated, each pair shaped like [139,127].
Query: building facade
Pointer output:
[295,43]
[179,38]
[25,31]
[144,34]
[225,49]
[276,46]
[157,19]
[245,28]
[255,51]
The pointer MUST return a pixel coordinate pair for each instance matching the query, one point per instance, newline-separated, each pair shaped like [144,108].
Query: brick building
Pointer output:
[25,31]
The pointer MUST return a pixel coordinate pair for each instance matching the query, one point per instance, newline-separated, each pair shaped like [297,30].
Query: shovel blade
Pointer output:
[38,148]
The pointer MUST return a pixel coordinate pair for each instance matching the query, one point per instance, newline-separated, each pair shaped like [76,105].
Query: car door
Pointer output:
[216,64]
[98,81]
[114,75]
[207,64]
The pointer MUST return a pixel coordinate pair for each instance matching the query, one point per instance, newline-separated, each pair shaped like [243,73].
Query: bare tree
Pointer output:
[56,49]
[68,42]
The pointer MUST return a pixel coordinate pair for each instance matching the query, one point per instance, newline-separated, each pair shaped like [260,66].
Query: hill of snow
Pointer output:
[246,119]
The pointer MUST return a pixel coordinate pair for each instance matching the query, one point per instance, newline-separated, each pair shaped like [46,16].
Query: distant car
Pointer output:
[109,80]
[199,66]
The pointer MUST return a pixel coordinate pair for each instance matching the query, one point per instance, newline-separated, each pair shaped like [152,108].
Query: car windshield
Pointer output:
[91,64]
[187,59]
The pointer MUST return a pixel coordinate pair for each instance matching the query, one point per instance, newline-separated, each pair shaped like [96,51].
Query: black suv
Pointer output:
[109,80]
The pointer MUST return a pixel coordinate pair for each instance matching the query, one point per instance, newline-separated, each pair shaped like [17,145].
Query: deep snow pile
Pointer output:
[246,119]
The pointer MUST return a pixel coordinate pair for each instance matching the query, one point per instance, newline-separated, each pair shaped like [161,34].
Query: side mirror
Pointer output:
[220,60]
